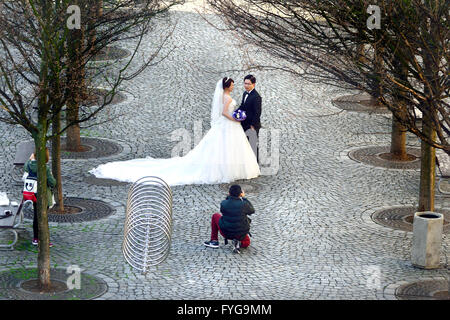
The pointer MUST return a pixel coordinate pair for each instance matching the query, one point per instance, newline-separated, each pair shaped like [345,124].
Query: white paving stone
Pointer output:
[312,233]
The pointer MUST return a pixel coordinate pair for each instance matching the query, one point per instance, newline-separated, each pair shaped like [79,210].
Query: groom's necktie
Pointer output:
[246,95]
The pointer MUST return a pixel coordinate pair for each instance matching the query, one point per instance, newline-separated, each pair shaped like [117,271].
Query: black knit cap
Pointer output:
[235,190]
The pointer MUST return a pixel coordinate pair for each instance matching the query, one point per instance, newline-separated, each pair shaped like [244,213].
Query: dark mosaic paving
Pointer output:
[99,95]
[15,285]
[16,175]
[92,180]
[111,53]
[445,186]
[90,210]
[96,148]
[358,103]
[401,218]
[371,156]
[248,187]
[424,290]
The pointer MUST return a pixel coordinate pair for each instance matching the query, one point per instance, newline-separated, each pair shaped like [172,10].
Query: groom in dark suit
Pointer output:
[251,104]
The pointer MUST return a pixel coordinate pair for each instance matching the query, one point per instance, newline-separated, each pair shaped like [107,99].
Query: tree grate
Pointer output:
[401,218]
[20,284]
[371,156]
[90,210]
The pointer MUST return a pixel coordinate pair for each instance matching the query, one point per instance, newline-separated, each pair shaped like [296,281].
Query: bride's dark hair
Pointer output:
[226,82]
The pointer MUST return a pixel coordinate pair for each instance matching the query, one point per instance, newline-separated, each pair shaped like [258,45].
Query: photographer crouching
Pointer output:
[233,223]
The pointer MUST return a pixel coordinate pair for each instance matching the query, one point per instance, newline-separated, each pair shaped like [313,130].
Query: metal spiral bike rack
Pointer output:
[148,224]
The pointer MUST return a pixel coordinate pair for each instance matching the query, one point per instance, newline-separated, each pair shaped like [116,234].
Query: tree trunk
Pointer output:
[44,234]
[398,141]
[398,135]
[428,163]
[40,140]
[378,68]
[100,9]
[73,138]
[360,53]
[95,12]
[77,89]
[427,170]
[56,163]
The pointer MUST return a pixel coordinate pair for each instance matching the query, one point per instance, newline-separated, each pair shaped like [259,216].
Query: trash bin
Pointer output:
[427,239]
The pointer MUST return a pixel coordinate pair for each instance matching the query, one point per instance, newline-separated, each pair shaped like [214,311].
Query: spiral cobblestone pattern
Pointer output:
[401,218]
[371,155]
[111,53]
[90,210]
[312,235]
[13,288]
[430,289]
[353,103]
[97,148]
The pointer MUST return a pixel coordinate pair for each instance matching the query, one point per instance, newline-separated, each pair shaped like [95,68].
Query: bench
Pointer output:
[23,152]
[443,164]
[11,218]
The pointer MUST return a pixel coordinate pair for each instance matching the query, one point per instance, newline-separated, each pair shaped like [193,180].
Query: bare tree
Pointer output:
[36,80]
[103,23]
[405,60]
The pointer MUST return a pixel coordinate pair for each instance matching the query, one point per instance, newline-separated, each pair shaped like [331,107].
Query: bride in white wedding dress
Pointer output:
[222,156]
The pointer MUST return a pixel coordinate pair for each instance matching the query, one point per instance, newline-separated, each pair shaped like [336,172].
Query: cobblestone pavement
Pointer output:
[312,233]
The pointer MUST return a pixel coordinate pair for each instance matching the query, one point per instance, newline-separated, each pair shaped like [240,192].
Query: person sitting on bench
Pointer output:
[234,223]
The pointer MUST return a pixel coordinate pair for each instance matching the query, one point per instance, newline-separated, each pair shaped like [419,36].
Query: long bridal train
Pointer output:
[222,156]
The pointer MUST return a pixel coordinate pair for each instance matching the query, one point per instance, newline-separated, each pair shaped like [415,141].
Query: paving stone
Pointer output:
[312,233]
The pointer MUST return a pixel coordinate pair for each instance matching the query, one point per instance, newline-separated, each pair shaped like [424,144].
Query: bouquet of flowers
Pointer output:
[239,115]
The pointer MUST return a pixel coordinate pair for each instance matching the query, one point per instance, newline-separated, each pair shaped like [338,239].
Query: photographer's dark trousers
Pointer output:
[215,231]
[35,222]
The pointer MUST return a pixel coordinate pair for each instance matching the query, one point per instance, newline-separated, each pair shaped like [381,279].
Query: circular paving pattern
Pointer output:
[401,218]
[326,260]
[99,94]
[424,290]
[92,180]
[19,284]
[374,156]
[358,103]
[16,175]
[96,148]
[90,210]
[57,286]
[248,187]
[445,186]
[111,53]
